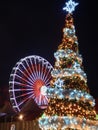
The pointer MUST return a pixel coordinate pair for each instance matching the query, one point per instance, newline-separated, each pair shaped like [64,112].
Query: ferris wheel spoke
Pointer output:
[39,70]
[45,70]
[35,98]
[40,99]
[44,73]
[47,80]
[21,89]
[36,74]
[33,70]
[42,102]
[29,67]
[25,94]
[47,75]
[27,71]
[26,76]
[35,66]
[21,84]
[45,100]
[22,79]
[24,100]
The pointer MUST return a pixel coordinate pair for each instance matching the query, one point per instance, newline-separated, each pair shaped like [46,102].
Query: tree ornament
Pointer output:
[70,6]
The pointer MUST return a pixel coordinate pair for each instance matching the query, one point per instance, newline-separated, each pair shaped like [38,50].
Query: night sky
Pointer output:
[35,28]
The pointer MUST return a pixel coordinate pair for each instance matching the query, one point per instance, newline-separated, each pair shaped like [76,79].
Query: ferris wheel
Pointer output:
[28,79]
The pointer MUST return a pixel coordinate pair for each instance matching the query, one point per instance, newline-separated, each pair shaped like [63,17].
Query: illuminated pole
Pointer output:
[21,116]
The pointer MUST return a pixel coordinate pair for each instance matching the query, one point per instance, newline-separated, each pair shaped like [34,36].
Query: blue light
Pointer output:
[70,6]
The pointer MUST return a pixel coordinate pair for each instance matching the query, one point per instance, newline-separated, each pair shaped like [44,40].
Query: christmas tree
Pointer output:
[71,107]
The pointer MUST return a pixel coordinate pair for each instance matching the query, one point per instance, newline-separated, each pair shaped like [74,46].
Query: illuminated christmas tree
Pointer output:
[71,107]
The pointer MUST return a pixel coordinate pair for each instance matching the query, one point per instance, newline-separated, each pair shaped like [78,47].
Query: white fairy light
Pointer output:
[59,83]
[44,90]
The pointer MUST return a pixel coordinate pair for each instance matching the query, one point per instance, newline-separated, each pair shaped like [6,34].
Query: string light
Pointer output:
[70,104]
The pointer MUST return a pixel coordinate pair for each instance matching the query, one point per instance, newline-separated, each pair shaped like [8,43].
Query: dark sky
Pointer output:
[35,28]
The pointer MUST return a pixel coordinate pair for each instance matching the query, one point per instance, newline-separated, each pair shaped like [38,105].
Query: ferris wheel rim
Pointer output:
[16,67]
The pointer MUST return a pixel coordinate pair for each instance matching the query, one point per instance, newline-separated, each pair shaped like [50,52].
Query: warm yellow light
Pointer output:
[97,117]
[21,117]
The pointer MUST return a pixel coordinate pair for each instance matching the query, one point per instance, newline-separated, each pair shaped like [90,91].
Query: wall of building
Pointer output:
[21,125]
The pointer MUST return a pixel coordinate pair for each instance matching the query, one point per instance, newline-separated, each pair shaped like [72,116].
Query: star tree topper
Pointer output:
[70,6]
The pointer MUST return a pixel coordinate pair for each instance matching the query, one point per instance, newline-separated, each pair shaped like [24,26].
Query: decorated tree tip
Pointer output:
[70,6]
